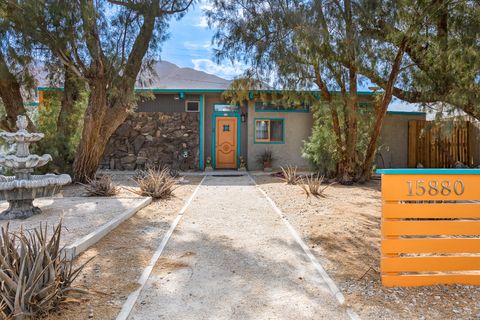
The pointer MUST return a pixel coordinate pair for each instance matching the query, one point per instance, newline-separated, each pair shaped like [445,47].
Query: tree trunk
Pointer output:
[380,113]
[67,121]
[11,96]
[100,123]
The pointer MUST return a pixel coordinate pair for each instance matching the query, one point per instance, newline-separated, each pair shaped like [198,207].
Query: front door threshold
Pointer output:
[224,172]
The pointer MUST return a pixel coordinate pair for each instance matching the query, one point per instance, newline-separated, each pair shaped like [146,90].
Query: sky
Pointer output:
[189,45]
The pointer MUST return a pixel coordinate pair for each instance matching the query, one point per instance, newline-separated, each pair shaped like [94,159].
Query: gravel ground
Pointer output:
[119,258]
[232,257]
[343,230]
[81,215]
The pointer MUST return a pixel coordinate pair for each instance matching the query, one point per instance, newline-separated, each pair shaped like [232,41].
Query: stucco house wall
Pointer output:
[297,129]
[393,143]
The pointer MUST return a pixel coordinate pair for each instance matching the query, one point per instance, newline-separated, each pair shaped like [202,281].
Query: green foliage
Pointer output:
[62,147]
[321,148]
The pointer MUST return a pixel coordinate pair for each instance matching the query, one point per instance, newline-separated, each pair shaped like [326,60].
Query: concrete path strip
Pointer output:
[132,298]
[232,257]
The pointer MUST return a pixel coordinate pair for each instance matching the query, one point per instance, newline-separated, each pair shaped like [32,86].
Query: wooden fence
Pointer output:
[432,148]
[430,227]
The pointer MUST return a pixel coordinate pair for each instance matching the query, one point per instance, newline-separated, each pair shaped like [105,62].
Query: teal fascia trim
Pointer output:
[284,110]
[180,90]
[214,138]
[251,93]
[273,142]
[413,113]
[49,89]
[428,171]
[202,129]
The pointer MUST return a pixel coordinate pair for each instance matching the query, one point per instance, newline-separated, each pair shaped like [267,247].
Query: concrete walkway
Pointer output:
[232,257]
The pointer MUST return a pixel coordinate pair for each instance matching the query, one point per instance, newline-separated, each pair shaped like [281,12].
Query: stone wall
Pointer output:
[154,138]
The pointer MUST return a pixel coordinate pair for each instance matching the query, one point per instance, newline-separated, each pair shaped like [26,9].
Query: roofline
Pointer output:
[160,90]
[412,113]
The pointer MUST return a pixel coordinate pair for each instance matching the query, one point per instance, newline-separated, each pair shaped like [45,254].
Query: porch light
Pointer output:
[243,117]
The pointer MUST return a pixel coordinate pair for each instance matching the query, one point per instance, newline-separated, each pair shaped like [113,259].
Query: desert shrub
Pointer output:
[101,187]
[155,183]
[312,185]
[321,148]
[290,175]
[35,275]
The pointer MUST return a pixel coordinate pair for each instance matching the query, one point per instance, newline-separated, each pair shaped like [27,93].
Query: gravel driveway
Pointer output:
[232,257]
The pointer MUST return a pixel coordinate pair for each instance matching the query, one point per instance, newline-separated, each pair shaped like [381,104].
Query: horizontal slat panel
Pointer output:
[428,280]
[431,210]
[423,264]
[396,187]
[430,246]
[430,228]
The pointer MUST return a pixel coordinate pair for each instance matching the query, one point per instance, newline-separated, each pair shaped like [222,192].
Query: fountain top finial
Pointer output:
[22,123]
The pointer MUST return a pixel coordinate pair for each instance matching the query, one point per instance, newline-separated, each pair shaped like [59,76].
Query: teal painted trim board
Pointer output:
[428,171]
[214,137]
[202,132]
[411,113]
[271,142]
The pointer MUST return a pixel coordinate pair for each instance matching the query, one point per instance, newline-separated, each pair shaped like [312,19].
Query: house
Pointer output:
[188,124]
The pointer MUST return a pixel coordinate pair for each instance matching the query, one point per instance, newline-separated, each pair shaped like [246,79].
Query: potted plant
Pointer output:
[266,159]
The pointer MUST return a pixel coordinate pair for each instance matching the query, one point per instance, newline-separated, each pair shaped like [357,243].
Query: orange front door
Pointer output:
[226,142]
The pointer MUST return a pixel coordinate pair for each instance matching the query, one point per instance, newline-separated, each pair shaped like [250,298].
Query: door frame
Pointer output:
[234,114]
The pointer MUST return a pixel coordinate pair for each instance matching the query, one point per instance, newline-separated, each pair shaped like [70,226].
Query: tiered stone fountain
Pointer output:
[21,189]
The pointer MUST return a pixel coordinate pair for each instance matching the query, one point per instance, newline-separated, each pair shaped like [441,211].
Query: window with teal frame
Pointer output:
[269,131]
[261,106]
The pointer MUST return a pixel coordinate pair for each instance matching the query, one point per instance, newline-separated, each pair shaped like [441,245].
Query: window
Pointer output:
[261,106]
[226,128]
[269,130]
[192,106]
[226,108]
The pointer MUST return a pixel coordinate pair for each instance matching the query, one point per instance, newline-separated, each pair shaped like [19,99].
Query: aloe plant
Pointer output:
[35,274]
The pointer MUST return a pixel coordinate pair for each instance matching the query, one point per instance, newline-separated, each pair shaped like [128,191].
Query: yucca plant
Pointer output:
[101,187]
[155,183]
[290,175]
[35,275]
[312,185]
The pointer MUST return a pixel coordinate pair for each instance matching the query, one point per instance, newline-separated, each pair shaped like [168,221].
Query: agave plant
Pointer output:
[101,187]
[35,275]
[155,183]
[290,175]
[312,185]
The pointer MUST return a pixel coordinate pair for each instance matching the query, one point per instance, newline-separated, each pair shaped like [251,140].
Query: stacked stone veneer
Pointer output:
[154,138]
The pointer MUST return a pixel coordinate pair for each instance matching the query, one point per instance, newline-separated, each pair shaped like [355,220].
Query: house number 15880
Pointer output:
[435,188]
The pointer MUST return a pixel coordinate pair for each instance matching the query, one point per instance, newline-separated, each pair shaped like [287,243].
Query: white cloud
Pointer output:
[192,45]
[202,22]
[227,70]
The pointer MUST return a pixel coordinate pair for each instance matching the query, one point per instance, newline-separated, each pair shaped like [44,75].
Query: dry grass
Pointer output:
[35,274]
[290,175]
[312,185]
[102,187]
[156,183]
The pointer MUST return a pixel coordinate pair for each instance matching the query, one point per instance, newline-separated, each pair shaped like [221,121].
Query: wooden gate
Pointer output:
[430,227]
[432,148]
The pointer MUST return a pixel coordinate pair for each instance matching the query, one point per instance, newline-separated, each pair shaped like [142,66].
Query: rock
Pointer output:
[123,130]
[138,143]
[153,138]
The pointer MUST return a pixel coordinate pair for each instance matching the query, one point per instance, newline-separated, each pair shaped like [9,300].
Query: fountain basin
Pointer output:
[20,193]
[30,162]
